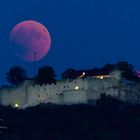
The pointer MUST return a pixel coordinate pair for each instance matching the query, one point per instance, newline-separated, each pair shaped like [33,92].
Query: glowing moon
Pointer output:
[30,40]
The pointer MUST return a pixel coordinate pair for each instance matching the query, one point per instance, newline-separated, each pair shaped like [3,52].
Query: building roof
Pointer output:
[89,72]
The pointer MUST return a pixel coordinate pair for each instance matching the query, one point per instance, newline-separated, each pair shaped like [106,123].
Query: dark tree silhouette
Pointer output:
[127,70]
[45,75]
[108,102]
[124,66]
[16,75]
[68,74]
[108,68]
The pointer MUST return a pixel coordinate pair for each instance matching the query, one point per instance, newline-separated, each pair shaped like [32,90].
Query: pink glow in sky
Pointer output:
[30,37]
[138,74]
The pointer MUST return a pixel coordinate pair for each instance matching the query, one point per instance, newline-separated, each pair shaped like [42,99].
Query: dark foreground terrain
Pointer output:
[77,122]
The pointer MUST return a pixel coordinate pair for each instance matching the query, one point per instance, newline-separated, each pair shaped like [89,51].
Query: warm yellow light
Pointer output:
[76,88]
[102,77]
[16,105]
[83,74]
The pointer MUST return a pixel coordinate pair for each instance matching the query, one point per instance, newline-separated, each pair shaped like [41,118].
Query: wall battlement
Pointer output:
[71,91]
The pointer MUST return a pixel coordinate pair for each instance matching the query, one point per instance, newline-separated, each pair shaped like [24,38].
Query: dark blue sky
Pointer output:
[85,33]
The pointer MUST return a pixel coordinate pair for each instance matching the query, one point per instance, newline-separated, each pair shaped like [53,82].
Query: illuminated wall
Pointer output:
[71,92]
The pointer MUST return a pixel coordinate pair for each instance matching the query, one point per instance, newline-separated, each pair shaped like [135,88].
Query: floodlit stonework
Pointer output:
[81,90]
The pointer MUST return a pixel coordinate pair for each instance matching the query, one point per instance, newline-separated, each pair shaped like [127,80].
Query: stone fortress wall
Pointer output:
[71,91]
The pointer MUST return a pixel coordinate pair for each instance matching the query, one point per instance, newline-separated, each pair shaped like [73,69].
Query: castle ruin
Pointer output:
[67,92]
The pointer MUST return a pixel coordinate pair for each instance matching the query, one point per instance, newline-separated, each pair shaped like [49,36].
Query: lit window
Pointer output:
[76,88]
[16,105]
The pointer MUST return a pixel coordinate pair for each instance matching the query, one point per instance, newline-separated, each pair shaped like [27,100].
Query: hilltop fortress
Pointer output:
[80,90]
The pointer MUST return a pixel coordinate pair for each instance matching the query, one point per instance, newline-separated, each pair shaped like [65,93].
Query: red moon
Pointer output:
[30,40]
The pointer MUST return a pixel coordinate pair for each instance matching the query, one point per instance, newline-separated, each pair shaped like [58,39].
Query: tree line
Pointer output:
[46,74]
